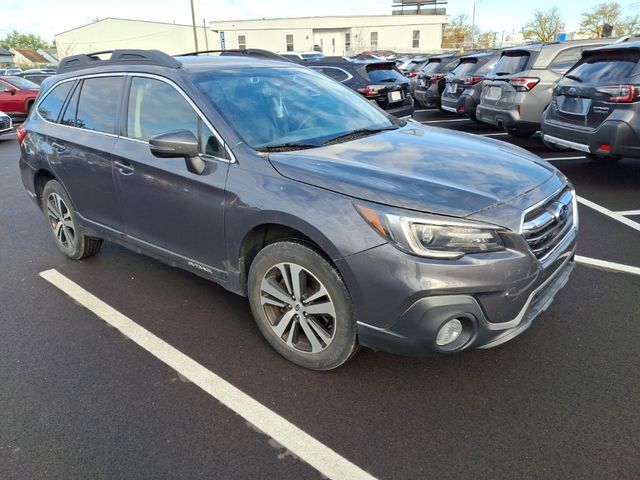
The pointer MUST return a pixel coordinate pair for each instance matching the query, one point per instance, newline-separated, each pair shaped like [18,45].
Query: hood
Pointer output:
[420,168]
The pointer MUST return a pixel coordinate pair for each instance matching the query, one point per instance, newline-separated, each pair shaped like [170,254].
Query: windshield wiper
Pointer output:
[500,74]
[359,133]
[573,77]
[286,147]
[387,80]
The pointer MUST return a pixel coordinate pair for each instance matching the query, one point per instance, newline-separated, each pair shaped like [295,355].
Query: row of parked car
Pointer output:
[582,95]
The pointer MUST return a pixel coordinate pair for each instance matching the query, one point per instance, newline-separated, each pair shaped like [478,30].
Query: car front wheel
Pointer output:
[302,306]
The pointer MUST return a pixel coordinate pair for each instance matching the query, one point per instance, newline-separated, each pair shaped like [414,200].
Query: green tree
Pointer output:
[596,22]
[17,39]
[544,26]
[458,32]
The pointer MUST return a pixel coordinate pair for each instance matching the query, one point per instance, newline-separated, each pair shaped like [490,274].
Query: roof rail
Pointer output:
[118,57]
[250,52]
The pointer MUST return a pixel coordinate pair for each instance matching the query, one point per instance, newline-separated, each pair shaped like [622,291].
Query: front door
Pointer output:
[175,213]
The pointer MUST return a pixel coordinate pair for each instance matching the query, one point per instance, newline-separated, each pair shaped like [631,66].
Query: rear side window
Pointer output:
[50,107]
[337,74]
[384,74]
[156,107]
[512,62]
[566,59]
[21,83]
[607,67]
[98,104]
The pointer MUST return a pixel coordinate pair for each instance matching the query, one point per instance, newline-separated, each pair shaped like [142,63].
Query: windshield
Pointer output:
[433,66]
[511,63]
[21,83]
[385,73]
[288,106]
[606,67]
[307,56]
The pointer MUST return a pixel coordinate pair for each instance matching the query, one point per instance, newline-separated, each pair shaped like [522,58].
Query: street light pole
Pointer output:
[193,22]
[473,26]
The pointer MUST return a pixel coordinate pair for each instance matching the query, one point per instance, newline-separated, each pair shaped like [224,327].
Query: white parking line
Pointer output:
[449,120]
[603,264]
[605,211]
[301,444]
[628,213]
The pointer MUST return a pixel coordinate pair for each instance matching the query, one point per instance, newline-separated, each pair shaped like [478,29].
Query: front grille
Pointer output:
[5,122]
[546,225]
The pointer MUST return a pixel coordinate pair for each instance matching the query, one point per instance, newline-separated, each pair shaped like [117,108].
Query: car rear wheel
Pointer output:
[520,132]
[596,158]
[62,221]
[302,306]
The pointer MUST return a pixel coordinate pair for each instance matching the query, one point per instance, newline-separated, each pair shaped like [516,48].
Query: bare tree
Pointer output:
[458,32]
[487,39]
[606,19]
[545,25]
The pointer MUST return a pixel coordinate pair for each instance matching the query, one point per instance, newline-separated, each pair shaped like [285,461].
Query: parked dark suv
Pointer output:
[431,79]
[596,105]
[379,81]
[344,225]
[464,84]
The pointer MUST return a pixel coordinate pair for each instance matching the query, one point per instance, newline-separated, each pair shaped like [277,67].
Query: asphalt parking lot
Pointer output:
[79,399]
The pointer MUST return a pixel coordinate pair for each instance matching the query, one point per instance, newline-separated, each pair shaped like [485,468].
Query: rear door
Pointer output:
[166,208]
[83,147]
[601,82]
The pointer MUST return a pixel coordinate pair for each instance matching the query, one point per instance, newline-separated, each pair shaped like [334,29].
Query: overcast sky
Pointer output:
[47,17]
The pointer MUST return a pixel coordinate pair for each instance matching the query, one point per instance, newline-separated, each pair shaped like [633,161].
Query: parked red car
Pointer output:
[17,96]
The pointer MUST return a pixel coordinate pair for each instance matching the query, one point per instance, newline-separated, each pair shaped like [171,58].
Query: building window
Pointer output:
[290,43]
[416,39]
[373,40]
[242,42]
[347,42]
[333,45]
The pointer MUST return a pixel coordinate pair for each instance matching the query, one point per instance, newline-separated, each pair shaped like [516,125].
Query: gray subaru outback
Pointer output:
[343,225]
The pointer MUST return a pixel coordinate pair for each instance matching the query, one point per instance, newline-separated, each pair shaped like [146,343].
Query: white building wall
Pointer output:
[114,33]
[395,32]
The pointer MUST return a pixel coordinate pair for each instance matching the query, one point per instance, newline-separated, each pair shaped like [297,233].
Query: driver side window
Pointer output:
[156,107]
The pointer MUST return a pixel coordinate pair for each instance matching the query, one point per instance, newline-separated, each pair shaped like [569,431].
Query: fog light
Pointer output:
[449,332]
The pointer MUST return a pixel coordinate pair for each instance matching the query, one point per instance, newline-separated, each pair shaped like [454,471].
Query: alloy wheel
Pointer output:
[299,309]
[60,221]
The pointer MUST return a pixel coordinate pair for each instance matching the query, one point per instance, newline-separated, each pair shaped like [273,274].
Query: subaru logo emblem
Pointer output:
[564,211]
[559,211]
[572,91]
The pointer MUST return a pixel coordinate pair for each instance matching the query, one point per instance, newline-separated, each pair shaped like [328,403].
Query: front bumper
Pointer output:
[496,297]
[624,141]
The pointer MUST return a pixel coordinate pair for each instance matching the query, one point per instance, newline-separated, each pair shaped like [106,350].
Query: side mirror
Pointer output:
[10,90]
[178,144]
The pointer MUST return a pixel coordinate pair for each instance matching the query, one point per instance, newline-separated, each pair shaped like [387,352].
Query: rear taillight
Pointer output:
[371,90]
[412,74]
[437,76]
[469,81]
[621,93]
[21,132]
[523,84]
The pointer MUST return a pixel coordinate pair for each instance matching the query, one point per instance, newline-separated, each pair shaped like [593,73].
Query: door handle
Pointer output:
[125,168]
[57,147]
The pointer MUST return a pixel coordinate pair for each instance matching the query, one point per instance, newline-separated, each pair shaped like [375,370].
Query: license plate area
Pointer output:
[395,96]
[493,93]
[574,105]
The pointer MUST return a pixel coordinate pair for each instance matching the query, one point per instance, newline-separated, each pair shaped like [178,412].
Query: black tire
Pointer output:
[520,132]
[269,317]
[68,237]
[473,117]
[603,160]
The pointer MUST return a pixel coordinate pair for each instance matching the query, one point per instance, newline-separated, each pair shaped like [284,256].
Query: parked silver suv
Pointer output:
[517,91]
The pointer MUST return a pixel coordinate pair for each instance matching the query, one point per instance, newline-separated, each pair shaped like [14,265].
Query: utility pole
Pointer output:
[193,22]
[473,26]
[206,33]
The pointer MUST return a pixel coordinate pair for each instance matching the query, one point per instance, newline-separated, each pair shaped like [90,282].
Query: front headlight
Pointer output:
[431,235]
